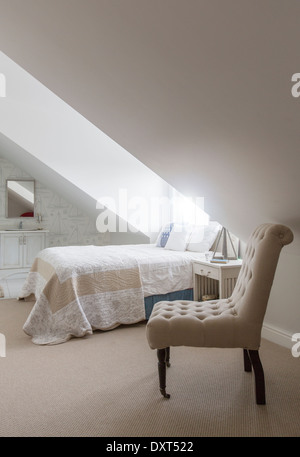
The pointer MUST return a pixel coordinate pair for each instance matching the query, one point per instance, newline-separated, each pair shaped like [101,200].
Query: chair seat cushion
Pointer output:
[192,323]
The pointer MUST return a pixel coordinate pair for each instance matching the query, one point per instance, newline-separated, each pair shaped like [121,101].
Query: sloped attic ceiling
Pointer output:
[199,91]
[55,144]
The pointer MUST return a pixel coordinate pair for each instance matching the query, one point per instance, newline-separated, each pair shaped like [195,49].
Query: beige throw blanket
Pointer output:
[80,289]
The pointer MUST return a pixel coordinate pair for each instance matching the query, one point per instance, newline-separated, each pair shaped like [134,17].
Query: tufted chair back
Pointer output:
[252,290]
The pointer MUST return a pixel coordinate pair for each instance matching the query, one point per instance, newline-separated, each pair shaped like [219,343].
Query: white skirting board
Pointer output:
[277,336]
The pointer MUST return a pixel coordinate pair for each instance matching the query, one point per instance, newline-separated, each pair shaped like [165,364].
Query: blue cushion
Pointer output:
[164,235]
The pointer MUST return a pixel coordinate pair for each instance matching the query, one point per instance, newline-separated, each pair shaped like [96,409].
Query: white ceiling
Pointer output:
[198,90]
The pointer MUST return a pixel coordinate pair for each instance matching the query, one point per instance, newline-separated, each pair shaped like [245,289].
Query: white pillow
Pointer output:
[203,237]
[179,238]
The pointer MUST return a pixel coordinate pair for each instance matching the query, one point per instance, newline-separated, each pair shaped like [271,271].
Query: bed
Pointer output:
[80,289]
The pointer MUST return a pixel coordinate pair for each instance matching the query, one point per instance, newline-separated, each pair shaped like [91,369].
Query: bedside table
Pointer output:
[215,278]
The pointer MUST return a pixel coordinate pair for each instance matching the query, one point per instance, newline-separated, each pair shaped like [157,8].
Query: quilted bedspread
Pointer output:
[81,289]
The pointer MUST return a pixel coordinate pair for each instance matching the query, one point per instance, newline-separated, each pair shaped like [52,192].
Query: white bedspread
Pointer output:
[162,270]
[80,289]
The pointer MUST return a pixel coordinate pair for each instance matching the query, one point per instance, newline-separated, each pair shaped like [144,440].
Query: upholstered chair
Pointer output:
[234,322]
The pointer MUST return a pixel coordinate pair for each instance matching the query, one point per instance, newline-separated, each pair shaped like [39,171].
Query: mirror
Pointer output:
[20,198]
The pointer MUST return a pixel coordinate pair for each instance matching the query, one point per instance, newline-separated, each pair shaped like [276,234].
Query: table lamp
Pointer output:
[223,245]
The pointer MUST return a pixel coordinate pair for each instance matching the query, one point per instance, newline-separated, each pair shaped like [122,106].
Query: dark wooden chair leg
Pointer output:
[168,357]
[161,355]
[259,377]
[247,361]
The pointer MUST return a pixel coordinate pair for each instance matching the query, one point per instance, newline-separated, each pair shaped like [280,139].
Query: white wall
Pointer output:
[67,224]
[282,318]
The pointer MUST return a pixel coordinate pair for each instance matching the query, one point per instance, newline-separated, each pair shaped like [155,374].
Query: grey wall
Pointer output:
[199,91]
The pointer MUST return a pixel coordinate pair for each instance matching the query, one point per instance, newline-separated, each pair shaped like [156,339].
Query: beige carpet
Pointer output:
[107,385]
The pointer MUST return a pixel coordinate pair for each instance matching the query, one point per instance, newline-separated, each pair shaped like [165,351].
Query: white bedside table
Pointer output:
[215,278]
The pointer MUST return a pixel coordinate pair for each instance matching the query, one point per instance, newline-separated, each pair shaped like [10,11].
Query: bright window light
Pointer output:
[187,210]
